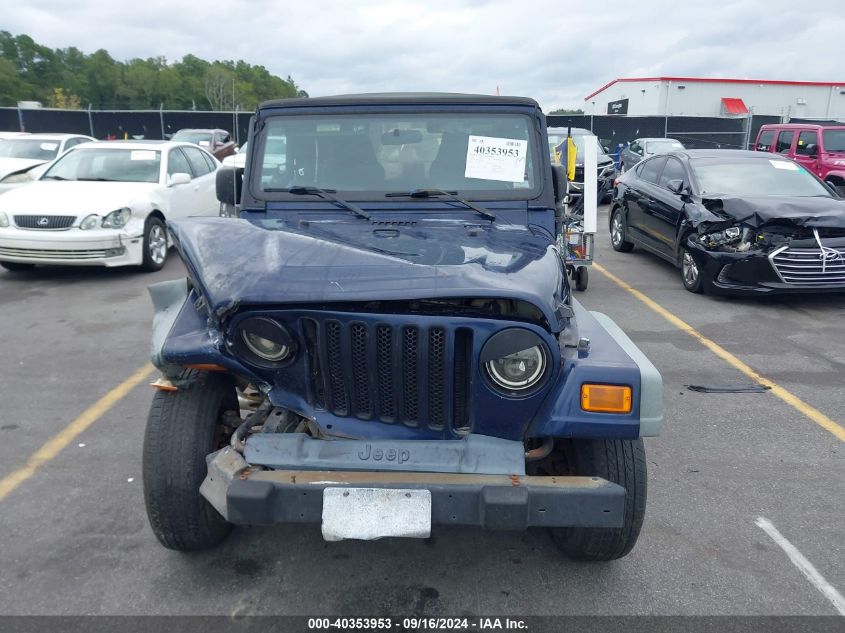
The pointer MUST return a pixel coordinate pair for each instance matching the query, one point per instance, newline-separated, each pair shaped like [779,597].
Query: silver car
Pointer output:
[642,148]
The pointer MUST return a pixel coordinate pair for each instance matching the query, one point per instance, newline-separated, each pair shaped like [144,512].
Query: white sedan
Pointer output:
[21,154]
[105,204]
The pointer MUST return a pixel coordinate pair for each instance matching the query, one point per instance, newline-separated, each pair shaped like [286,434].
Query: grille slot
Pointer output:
[410,356]
[463,364]
[337,388]
[401,374]
[53,222]
[360,371]
[436,377]
[384,354]
[805,267]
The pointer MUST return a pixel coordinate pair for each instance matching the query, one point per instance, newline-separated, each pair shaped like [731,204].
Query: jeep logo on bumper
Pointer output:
[400,456]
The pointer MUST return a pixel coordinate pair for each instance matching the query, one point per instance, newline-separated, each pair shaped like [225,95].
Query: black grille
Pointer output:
[44,221]
[403,374]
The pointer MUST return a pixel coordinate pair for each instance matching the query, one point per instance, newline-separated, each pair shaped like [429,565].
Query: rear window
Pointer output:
[650,169]
[764,143]
[755,177]
[834,140]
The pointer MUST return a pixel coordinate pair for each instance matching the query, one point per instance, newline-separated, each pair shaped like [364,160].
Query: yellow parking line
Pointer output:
[58,442]
[788,397]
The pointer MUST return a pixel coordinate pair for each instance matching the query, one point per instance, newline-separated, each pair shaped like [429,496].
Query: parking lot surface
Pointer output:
[75,538]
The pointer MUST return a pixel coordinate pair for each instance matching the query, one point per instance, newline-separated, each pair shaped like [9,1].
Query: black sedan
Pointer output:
[734,222]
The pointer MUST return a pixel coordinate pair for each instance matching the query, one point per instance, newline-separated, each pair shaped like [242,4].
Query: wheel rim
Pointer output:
[157,244]
[690,270]
[616,230]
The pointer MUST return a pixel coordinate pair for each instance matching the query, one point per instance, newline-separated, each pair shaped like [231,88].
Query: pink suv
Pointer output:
[820,148]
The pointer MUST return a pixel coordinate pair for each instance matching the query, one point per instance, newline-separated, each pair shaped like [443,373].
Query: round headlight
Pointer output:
[520,370]
[266,339]
[265,348]
[89,222]
[516,360]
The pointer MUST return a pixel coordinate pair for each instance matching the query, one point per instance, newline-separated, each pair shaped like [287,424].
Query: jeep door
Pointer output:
[809,158]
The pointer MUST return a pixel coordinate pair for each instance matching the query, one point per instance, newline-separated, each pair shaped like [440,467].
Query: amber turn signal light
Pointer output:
[606,398]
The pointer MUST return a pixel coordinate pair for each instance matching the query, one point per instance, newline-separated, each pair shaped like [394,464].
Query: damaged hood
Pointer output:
[238,262]
[755,212]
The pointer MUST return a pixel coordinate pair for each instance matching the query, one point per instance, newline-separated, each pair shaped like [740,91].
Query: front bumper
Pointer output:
[749,274]
[70,248]
[245,496]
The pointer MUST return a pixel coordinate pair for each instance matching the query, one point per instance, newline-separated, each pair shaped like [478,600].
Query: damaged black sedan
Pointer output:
[734,222]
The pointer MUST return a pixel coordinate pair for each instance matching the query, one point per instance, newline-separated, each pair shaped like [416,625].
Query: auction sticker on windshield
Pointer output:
[142,154]
[490,158]
[782,164]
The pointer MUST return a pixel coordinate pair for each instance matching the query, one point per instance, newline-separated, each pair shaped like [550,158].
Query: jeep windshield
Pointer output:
[366,156]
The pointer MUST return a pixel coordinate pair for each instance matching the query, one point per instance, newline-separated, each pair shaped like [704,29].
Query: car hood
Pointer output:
[72,197]
[12,165]
[756,212]
[237,262]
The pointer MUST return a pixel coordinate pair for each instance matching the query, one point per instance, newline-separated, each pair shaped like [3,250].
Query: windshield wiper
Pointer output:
[326,194]
[53,178]
[99,180]
[434,193]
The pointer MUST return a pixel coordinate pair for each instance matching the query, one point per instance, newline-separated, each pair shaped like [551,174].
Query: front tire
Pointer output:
[182,428]
[16,267]
[622,462]
[155,245]
[691,274]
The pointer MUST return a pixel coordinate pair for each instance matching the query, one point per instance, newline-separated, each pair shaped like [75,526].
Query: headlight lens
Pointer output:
[267,339]
[117,219]
[4,220]
[516,360]
[15,179]
[520,370]
[89,222]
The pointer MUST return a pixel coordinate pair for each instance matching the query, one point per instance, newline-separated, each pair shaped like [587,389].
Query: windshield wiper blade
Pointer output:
[326,194]
[99,180]
[434,193]
[54,178]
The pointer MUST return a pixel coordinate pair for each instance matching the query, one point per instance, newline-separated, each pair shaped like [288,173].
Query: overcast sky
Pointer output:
[556,51]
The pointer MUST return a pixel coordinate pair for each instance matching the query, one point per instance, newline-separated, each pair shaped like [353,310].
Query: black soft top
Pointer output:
[403,98]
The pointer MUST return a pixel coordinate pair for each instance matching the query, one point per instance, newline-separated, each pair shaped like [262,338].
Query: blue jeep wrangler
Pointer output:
[385,339]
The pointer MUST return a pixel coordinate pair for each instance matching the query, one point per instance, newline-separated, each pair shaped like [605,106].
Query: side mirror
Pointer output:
[179,178]
[229,185]
[606,149]
[676,186]
[812,149]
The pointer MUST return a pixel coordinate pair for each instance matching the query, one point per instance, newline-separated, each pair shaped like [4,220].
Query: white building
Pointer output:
[691,96]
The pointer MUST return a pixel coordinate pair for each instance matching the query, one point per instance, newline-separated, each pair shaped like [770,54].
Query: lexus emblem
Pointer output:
[43,222]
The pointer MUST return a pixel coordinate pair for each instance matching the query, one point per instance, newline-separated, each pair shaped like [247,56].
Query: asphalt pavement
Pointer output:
[74,538]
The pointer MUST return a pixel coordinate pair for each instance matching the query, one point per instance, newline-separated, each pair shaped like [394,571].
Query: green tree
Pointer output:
[30,71]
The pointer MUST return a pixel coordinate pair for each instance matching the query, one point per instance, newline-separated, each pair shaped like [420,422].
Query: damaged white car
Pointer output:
[105,204]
